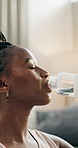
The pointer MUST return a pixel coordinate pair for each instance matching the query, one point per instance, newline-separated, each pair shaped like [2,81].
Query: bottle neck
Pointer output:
[53,82]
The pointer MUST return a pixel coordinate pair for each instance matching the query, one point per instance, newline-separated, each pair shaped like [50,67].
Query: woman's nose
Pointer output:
[43,73]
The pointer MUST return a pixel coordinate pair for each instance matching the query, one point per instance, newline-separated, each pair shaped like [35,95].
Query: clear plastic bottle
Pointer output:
[63,83]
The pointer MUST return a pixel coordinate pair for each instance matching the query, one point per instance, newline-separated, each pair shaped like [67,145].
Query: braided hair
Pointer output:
[4,45]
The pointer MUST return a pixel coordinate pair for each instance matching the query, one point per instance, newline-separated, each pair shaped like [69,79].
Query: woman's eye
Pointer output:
[32,67]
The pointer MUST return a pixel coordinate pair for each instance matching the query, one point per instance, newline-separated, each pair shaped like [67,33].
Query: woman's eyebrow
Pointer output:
[27,60]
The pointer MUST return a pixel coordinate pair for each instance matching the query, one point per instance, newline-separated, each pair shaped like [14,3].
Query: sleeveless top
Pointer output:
[44,140]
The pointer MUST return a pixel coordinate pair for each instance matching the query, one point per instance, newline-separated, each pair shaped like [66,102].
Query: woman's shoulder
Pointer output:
[50,140]
[2,146]
[43,140]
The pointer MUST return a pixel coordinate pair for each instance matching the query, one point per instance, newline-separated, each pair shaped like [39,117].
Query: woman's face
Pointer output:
[28,83]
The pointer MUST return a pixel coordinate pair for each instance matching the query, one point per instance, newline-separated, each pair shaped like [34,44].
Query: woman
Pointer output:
[23,84]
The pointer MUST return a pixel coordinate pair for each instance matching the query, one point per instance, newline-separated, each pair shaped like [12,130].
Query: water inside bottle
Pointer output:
[65,91]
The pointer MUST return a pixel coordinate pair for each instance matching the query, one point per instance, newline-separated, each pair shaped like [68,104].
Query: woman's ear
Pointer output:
[3,86]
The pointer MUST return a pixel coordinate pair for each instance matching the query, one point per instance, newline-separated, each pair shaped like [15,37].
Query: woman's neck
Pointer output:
[13,123]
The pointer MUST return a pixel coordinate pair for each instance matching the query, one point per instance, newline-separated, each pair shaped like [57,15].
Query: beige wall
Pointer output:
[50,28]
[75,24]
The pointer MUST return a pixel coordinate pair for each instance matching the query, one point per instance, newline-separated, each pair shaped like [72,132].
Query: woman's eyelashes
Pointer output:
[32,67]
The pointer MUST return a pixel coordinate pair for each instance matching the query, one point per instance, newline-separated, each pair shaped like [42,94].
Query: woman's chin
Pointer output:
[49,98]
[46,99]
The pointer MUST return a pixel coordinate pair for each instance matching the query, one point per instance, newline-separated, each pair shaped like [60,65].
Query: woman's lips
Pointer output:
[47,87]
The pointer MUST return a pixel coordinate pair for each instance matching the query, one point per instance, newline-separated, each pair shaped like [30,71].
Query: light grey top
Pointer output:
[44,140]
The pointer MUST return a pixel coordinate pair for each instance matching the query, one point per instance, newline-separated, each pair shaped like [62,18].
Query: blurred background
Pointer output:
[49,28]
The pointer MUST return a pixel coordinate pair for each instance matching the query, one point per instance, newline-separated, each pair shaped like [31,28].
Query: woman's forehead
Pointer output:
[23,53]
[31,55]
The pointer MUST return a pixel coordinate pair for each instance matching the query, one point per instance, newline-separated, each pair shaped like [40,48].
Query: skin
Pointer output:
[27,86]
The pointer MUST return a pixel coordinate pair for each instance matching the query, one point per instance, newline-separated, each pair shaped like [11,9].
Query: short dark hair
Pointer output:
[4,45]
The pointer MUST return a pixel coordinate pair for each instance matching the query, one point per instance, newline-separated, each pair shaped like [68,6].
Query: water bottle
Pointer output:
[65,84]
